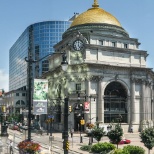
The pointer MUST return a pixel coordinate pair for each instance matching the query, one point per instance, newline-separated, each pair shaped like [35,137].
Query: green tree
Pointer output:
[115,135]
[147,137]
[98,133]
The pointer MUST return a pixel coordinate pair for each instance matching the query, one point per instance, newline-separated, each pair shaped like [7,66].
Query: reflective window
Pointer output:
[44,35]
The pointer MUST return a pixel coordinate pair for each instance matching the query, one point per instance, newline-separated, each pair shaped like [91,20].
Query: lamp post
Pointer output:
[81,120]
[30,61]
[65,132]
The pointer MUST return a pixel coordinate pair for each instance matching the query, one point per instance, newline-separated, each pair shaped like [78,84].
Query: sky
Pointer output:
[135,16]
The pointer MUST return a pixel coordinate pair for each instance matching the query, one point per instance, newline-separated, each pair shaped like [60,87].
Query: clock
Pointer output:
[78,45]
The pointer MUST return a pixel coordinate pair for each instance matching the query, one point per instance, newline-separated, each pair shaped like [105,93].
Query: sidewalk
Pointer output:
[44,141]
[134,137]
[75,141]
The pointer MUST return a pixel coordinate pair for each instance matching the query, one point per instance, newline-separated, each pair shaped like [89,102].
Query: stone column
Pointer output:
[100,102]
[132,101]
[149,101]
[142,107]
[128,109]
[152,103]
[87,116]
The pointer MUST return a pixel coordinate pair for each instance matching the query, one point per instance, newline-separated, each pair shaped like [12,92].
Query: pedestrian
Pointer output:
[131,129]
[71,131]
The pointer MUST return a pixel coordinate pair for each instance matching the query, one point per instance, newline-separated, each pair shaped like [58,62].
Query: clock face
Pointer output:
[78,45]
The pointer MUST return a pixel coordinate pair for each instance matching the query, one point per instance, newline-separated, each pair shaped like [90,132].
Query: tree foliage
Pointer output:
[15,118]
[147,137]
[115,135]
[98,133]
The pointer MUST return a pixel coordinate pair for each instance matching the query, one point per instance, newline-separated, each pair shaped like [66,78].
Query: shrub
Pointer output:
[102,147]
[119,151]
[134,149]
[86,147]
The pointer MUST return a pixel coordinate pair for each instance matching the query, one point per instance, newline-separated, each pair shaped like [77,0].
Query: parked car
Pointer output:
[13,126]
[10,126]
[123,141]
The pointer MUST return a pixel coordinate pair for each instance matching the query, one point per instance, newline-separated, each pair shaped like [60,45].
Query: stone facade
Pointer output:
[108,59]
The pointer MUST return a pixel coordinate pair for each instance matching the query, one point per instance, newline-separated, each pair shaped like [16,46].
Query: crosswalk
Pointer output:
[44,141]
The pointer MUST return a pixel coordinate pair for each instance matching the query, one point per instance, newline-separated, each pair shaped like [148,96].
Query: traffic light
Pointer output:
[70,108]
[67,145]
[82,122]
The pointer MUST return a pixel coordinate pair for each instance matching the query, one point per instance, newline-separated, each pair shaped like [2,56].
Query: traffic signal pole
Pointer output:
[82,122]
[65,132]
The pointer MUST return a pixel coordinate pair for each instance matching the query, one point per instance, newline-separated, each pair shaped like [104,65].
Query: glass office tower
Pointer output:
[37,41]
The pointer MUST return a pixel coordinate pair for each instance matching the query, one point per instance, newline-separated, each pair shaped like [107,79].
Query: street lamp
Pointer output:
[82,121]
[65,132]
[30,61]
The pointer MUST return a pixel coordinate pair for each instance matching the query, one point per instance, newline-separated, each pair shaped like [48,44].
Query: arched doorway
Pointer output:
[115,103]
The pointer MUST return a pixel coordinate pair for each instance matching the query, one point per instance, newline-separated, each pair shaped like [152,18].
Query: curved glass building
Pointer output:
[37,41]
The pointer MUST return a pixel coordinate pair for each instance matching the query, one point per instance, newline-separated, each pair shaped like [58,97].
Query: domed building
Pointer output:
[107,80]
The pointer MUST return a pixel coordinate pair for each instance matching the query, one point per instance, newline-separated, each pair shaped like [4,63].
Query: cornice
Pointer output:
[94,26]
[141,81]
[115,49]
[94,78]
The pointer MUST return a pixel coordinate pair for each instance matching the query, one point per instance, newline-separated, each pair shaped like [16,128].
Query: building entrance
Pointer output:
[115,103]
[77,126]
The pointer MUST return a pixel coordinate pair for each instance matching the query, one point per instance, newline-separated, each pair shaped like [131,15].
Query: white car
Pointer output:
[106,128]
[88,130]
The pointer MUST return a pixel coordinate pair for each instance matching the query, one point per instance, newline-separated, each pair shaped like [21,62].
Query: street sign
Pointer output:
[51,116]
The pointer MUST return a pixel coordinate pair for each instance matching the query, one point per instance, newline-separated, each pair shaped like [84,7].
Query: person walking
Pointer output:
[131,129]
[71,131]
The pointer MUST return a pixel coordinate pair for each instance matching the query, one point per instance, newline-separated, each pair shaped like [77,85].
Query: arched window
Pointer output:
[18,102]
[115,103]
[22,102]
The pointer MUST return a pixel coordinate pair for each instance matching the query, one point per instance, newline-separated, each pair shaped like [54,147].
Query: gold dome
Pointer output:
[95,15]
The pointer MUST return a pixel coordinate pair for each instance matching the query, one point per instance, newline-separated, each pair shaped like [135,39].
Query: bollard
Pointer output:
[81,140]
[91,139]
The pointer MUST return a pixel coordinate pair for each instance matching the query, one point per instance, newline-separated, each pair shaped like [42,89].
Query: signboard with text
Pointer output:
[39,107]
[86,107]
[40,96]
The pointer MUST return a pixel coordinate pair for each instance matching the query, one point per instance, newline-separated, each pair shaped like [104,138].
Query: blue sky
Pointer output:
[135,16]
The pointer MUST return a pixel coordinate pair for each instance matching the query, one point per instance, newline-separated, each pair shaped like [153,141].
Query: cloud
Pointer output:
[4,81]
